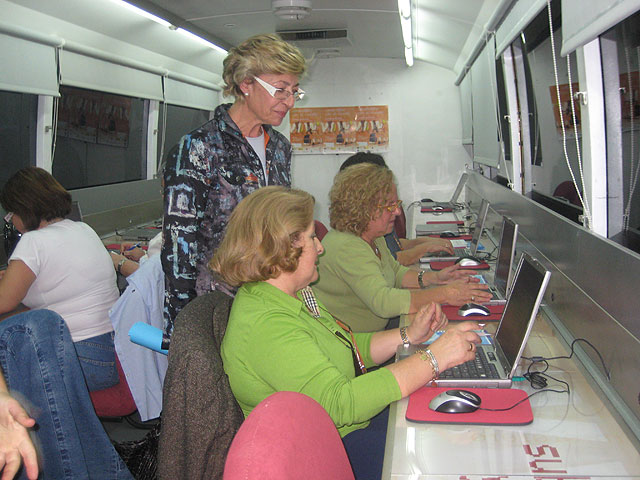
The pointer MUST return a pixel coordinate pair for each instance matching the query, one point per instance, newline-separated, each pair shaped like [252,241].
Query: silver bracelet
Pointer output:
[422,285]
[428,356]
[404,336]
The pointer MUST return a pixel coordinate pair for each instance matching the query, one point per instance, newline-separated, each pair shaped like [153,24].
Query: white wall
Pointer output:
[426,152]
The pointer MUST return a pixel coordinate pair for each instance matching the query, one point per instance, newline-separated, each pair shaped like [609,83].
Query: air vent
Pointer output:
[327,38]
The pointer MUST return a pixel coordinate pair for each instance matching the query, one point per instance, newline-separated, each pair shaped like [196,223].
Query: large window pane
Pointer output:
[100,139]
[18,115]
[179,121]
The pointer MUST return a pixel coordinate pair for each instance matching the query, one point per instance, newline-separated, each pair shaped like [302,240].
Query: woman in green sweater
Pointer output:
[360,281]
[279,338]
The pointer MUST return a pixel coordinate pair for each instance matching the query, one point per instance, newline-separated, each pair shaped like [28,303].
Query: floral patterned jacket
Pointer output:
[206,175]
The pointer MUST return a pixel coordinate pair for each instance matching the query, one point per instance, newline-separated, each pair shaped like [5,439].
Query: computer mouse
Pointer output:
[437,208]
[455,401]
[449,235]
[468,261]
[473,309]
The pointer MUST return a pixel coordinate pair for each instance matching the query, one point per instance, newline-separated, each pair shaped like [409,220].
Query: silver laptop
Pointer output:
[504,266]
[496,362]
[473,245]
[453,203]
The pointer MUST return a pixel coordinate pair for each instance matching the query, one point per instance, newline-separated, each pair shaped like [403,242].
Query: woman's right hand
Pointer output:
[461,292]
[457,345]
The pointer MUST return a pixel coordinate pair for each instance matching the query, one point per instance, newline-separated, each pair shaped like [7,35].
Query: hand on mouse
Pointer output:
[456,345]
[461,292]
[428,320]
[455,273]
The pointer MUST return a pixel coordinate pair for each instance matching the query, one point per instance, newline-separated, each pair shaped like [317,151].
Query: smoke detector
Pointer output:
[291,9]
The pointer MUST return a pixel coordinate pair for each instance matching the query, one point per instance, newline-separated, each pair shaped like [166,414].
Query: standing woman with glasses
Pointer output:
[280,338]
[360,281]
[214,167]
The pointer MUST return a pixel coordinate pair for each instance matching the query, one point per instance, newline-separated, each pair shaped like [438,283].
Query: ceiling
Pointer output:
[445,30]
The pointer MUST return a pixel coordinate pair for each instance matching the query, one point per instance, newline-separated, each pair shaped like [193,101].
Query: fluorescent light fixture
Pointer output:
[142,13]
[404,10]
[201,40]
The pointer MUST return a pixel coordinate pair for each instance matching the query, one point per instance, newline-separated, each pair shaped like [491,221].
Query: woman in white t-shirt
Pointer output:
[63,266]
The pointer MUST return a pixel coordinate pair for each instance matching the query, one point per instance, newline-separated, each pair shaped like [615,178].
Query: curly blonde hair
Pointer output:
[265,53]
[258,242]
[355,195]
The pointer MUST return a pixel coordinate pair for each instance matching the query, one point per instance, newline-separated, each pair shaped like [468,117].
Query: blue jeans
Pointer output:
[365,447]
[97,357]
[40,362]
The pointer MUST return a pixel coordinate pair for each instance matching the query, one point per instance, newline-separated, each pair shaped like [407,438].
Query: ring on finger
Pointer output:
[470,346]
[473,298]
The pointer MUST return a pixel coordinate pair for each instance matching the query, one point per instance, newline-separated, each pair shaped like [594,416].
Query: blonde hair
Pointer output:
[258,242]
[265,53]
[355,195]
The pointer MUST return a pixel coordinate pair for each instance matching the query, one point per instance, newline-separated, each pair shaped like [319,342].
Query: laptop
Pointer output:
[466,251]
[497,360]
[504,266]
[453,203]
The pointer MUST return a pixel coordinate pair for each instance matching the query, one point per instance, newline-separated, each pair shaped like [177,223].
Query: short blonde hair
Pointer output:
[355,195]
[266,53]
[258,242]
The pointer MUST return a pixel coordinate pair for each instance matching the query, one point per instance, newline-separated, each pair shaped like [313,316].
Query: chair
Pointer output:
[287,436]
[116,401]
[321,230]
[200,415]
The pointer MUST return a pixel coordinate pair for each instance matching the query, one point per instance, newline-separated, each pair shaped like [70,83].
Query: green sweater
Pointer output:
[273,344]
[356,286]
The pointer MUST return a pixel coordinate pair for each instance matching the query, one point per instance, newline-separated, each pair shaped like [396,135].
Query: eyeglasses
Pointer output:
[280,93]
[8,217]
[392,206]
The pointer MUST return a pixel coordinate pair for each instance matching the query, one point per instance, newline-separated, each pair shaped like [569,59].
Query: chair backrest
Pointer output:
[321,230]
[288,436]
[115,401]
[200,415]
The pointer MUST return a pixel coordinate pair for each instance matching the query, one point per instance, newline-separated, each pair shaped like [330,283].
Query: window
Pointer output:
[18,116]
[100,138]
[620,49]
[179,121]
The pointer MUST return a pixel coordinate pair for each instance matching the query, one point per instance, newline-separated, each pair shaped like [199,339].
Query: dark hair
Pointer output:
[34,195]
[363,157]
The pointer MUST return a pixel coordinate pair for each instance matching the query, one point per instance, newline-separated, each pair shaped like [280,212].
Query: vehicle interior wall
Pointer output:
[592,291]
[425,147]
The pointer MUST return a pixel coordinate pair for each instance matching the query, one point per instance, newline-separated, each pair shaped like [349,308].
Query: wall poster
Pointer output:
[339,129]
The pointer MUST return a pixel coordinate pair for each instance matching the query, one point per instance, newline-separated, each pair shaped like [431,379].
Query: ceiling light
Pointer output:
[291,9]
[142,12]
[404,10]
[201,40]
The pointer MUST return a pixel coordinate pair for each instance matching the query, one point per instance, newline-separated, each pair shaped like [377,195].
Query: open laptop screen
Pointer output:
[502,277]
[459,187]
[526,295]
[477,233]
[75,214]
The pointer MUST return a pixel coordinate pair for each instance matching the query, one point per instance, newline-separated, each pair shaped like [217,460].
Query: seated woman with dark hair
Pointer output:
[280,338]
[63,266]
[407,251]
[360,282]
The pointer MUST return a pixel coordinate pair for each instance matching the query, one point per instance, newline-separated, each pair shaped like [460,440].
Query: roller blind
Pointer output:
[486,149]
[187,95]
[27,67]
[466,109]
[83,71]
[585,20]
[521,14]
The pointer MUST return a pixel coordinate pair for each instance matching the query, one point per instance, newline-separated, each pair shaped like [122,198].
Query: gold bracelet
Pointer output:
[427,356]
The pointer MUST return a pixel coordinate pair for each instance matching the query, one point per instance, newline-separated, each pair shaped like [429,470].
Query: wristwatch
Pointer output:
[422,285]
[120,263]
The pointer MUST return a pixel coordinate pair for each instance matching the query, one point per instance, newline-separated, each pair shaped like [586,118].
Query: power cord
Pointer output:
[538,379]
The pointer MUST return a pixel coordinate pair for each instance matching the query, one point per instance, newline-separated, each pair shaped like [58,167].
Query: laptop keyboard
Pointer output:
[477,368]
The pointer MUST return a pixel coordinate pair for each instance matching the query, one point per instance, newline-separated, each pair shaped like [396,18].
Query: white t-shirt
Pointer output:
[261,150]
[74,276]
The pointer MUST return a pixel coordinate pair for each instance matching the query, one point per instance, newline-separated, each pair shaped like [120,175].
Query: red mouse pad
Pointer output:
[418,409]
[496,313]
[440,265]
